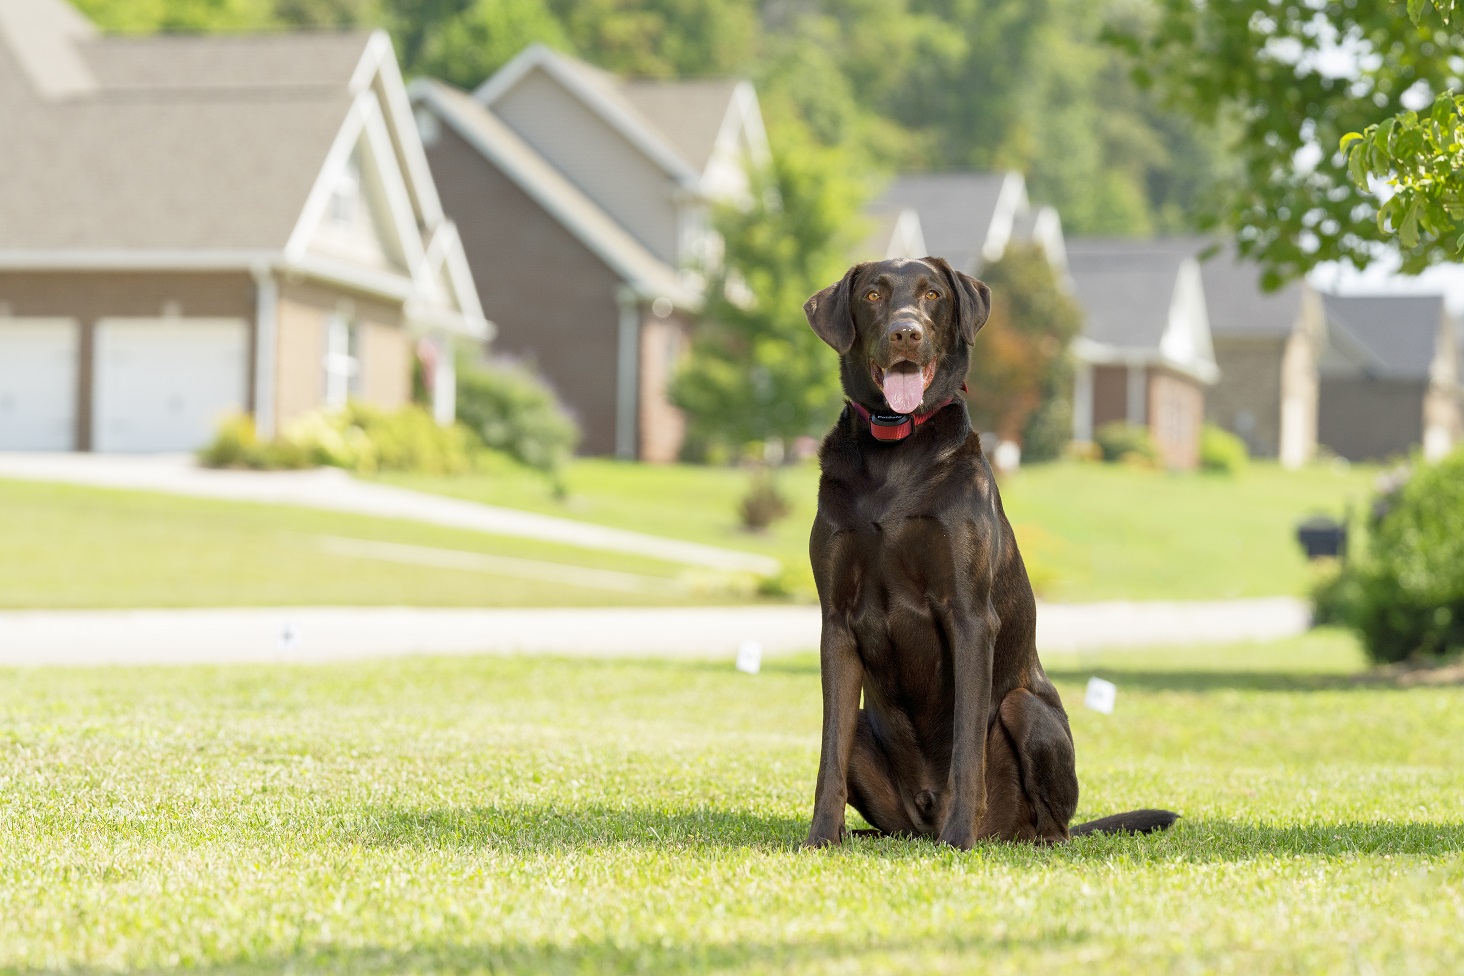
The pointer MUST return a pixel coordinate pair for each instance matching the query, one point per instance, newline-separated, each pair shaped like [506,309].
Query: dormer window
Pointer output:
[345,202]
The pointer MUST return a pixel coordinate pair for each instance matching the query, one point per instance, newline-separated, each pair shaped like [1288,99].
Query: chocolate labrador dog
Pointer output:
[927,610]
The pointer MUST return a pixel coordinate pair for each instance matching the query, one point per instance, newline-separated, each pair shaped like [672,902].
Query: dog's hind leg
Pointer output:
[873,790]
[1032,777]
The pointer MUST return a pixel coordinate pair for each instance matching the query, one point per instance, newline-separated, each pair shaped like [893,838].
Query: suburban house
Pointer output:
[1390,378]
[968,218]
[192,225]
[1145,356]
[1267,347]
[608,185]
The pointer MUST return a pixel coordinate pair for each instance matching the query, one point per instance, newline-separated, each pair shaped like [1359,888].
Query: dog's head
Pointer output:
[903,331]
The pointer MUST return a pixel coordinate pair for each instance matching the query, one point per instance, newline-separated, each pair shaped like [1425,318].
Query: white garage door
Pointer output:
[38,368]
[163,384]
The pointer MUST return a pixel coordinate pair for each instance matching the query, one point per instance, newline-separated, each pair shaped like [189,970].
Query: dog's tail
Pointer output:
[1133,822]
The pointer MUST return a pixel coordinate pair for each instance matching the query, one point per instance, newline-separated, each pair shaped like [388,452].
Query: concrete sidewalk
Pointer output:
[332,489]
[320,634]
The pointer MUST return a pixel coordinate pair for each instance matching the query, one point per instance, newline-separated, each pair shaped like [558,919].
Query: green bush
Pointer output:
[1221,451]
[236,445]
[512,410]
[763,504]
[358,438]
[1121,442]
[1408,596]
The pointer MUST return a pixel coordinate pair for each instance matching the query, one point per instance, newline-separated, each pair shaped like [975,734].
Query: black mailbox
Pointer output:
[1321,536]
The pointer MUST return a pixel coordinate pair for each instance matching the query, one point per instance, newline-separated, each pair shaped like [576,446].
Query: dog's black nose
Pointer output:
[906,335]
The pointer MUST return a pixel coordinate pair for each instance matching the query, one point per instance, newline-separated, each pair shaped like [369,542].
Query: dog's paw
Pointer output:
[824,836]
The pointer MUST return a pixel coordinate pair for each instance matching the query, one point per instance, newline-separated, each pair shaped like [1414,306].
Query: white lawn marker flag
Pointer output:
[1100,695]
[749,657]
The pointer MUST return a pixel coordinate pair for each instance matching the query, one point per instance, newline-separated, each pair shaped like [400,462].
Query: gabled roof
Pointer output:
[516,159]
[1387,336]
[190,152]
[689,114]
[967,217]
[676,123]
[894,232]
[1143,301]
[1238,305]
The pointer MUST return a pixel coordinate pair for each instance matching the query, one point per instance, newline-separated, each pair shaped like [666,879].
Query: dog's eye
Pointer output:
[872,296]
[932,295]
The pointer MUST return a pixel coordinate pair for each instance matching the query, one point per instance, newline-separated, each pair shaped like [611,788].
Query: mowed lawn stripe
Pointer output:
[78,547]
[540,815]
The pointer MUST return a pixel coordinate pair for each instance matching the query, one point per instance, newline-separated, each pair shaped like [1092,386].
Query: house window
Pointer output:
[345,201]
[342,361]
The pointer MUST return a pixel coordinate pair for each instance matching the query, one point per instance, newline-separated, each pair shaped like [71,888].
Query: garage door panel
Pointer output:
[163,385]
[38,373]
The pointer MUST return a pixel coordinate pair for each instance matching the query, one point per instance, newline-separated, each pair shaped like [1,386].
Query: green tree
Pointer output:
[1293,78]
[1422,159]
[467,47]
[1020,369]
[756,370]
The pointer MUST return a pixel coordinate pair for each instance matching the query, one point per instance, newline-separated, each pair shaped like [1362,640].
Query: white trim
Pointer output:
[266,325]
[129,259]
[1009,202]
[394,184]
[318,200]
[444,382]
[627,368]
[398,109]
[569,77]
[1083,402]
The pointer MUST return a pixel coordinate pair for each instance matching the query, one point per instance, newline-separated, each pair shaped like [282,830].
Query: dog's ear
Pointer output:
[828,313]
[973,298]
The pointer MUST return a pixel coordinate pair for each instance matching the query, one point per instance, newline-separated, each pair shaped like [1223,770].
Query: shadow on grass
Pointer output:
[533,829]
[525,828]
[611,957]
[1201,681]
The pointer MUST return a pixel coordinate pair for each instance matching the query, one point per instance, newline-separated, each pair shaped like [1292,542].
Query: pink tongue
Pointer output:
[904,388]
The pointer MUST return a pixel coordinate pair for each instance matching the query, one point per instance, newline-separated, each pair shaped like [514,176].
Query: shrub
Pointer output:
[358,438]
[1221,451]
[763,504]
[1409,592]
[236,445]
[1125,442]
[512,410]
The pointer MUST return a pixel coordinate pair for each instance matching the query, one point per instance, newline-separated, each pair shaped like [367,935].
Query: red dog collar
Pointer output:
[898,426]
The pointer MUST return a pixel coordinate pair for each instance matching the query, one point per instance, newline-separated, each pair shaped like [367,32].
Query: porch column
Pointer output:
[1083,402]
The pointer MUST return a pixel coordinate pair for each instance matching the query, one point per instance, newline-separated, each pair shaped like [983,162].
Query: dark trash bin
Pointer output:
[1322,537]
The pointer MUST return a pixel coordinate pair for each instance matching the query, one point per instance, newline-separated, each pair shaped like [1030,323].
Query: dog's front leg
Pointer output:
[974,640]
[842,675]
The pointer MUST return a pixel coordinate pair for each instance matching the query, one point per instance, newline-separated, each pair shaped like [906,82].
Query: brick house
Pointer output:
[1267,347]
[1145,356]
[1390,377]
[196,225]
[608,184]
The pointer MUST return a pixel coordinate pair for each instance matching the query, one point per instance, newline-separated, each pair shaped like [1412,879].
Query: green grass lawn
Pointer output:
[540,815]
[1088,531]
[86,547]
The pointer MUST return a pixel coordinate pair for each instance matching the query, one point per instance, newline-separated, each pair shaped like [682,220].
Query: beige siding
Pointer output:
[1176,412]
[387,361]
[662,426]
[597,158]
[300,349]
[1247,400]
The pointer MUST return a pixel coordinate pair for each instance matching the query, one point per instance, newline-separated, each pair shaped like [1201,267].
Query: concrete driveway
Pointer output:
[320,634]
